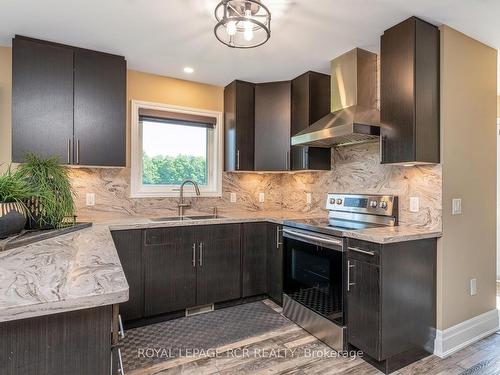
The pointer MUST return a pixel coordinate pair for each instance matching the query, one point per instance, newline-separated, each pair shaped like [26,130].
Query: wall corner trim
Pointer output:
[466,333]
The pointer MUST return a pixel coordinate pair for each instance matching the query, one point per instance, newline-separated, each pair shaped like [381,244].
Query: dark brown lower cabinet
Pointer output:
[254,258]
[128,244]
[169,270]
[275,262]
[391,301]
[218,270]
[70,343]
[363,306]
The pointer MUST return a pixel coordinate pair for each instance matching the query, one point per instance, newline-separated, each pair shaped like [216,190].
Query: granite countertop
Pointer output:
[82,270]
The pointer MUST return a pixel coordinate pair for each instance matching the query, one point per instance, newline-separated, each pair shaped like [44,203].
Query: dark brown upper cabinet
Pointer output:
[409,93]
[68,102]
[239,120]
[272,126]
[310,102]
[42,100]
[99,117]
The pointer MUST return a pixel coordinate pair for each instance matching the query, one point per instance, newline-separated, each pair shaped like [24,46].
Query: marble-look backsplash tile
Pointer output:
[355,169]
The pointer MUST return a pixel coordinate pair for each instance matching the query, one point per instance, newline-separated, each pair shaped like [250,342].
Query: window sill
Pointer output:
[175,194]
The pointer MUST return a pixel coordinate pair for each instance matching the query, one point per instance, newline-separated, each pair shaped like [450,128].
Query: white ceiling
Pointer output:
[163,36]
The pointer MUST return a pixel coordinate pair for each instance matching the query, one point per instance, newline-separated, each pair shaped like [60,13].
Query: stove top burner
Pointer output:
[348,212]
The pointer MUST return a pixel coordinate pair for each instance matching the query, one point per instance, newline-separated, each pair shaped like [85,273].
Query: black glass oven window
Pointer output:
[313,277]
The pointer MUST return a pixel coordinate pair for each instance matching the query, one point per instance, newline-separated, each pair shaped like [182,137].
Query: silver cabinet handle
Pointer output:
[120,362]
[349,284]
[304,159]
[201,254]
[238,159]
[121,332]
[358,250]
[69,150]
[278,243]
[194,255]
[77,151]
[287,160]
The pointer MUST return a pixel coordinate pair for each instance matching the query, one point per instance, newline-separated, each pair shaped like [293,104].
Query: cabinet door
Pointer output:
[169,270]
[275,262]
[128,243]
[42,100]
[100,84]
[219,263]
[239,126]
[363,307]
[253,253]
[310,102]
[272,126]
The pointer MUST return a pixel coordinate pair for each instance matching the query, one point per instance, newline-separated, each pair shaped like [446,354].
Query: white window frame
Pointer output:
[214,162]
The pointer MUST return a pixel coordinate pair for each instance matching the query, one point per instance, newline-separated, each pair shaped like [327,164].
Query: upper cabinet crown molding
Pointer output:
[68,102]
[409,93]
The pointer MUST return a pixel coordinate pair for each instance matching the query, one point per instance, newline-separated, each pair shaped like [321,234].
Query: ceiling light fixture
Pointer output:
[242,23]
[188,70]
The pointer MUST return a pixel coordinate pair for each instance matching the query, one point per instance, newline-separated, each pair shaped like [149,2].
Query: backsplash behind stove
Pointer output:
[355,169]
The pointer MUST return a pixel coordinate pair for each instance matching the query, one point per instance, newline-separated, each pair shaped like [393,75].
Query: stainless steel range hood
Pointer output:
[354,117]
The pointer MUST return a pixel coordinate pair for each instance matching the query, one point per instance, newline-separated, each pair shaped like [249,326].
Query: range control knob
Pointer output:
[373,204]
[332,200]
[339,201]
[383,204]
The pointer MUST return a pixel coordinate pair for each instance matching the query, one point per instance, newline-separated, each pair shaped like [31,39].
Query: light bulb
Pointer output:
[248,34]
[231,28]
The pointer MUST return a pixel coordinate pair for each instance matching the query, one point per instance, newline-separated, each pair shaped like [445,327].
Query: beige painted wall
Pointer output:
[159,89]
[468,127]
[5,104]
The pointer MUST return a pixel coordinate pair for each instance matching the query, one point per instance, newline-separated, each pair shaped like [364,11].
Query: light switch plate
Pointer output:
[473,287]
[232,197]
[262,197]
[456,208]
[308,198]
[414,204]
[90,199]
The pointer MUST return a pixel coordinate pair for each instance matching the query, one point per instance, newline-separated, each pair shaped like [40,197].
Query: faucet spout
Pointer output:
[181,204]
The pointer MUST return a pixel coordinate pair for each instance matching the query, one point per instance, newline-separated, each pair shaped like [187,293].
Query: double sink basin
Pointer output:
[187,218]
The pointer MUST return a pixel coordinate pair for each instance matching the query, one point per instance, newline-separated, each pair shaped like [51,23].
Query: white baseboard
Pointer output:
[463,334]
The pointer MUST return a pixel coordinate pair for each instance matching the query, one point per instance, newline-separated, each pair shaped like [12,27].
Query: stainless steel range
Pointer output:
[315,265]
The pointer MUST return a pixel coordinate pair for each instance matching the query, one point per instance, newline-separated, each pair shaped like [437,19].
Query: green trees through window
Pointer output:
[170,170]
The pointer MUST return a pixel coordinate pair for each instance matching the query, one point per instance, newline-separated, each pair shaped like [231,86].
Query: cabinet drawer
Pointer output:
[172,235]
[364,251]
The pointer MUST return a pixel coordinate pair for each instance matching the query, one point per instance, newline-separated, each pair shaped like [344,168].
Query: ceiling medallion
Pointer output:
[242,23]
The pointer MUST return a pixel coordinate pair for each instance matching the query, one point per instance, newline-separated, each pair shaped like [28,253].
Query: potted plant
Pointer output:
[53,201]
[14,191]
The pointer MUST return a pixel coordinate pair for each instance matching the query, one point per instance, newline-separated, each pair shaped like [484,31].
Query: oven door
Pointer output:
[313,272]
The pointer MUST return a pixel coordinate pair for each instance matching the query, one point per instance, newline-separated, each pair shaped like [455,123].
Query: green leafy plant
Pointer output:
[13,188]
[53,192]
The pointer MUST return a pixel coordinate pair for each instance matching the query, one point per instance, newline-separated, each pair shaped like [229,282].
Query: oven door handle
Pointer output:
[330,241]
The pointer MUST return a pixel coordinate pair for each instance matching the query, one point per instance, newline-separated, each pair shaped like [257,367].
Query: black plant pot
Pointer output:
[12,219]
[35,214]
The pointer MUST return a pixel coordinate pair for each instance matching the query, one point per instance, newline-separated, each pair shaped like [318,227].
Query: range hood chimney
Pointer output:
[354,117]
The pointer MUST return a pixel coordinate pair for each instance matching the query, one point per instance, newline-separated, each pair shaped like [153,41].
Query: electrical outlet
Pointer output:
[456,204]
[473,287]
[414,204]
[232,198]
[90,199]
[308,198]
[262,197]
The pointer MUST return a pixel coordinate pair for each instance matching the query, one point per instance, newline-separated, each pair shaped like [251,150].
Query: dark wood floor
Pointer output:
[292,350]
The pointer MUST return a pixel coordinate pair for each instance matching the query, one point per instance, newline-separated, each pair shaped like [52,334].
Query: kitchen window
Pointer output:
[171,144]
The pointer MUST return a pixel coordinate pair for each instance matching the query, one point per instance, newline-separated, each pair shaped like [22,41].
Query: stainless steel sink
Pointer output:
[186,218]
